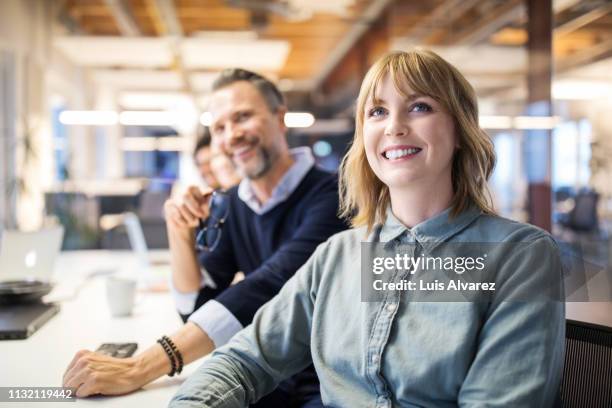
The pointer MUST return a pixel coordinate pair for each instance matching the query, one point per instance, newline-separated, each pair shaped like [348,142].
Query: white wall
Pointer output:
[598,114]
[27,28]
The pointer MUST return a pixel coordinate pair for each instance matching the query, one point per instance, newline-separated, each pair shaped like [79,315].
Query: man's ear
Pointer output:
[280,112]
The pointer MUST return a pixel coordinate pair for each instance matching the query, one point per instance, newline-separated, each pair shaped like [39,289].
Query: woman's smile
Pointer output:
[400,152]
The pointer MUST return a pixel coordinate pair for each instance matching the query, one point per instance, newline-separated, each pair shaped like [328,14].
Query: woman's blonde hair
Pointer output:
[364,199]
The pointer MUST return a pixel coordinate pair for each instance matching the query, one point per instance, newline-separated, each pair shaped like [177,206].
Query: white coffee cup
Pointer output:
[120,293]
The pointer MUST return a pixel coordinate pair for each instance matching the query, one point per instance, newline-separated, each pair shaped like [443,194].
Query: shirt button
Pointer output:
[375,358]
[384,402]
[391,308]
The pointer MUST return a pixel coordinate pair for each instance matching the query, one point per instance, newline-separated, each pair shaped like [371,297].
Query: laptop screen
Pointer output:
[29,255]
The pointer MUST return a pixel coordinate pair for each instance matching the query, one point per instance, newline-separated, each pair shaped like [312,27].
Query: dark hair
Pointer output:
[273,97]
[203,141]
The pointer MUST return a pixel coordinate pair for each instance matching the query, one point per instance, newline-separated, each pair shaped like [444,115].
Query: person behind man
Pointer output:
[283,208]
[214,167]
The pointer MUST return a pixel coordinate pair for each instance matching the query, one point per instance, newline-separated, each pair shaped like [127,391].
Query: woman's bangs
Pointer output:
[410,76]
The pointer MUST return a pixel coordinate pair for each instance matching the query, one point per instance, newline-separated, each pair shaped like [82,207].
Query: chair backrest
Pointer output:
[587,376]
[152,205]
[584,214]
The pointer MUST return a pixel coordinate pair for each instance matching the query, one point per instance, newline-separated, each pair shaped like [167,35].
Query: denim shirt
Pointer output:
[398,352]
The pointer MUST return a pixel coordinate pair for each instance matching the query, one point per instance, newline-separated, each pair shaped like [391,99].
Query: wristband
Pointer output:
[177,354]
[168,351]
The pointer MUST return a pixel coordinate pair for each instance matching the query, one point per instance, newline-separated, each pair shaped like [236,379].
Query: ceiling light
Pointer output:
[495,122]
[581,89]
[90,118]
[299,119]
[148,118]
[137,52]
[258,55]
[535,122]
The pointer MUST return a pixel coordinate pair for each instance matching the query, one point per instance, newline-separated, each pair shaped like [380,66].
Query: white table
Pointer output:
[84,323]
[591,312]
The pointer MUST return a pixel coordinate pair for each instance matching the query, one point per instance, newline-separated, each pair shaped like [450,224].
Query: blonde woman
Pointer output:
[416,173]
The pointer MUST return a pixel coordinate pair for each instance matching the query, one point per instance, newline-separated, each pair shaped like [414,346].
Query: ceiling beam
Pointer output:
[123,17]
[597,52]
[165,14]
[440,18]
[65,19]
[358,29]
[166,22]
[487,25]
[583,20]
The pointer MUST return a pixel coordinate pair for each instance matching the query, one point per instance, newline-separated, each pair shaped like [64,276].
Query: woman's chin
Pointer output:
[401,181]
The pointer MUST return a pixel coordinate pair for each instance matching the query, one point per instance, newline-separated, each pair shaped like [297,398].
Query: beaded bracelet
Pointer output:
[177,354]
[170,355]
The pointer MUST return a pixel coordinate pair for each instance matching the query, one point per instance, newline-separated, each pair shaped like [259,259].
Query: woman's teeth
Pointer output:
[396,154]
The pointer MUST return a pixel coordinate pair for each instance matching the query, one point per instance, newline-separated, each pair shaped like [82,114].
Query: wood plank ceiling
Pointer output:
[310,41]
[583,29]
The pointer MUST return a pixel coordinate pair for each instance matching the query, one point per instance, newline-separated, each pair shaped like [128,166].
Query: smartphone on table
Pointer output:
[119,350]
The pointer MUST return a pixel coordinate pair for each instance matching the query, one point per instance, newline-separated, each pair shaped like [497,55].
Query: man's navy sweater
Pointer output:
[269,248]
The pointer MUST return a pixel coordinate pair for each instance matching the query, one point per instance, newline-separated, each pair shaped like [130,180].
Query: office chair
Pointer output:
[583,217]
[587,376]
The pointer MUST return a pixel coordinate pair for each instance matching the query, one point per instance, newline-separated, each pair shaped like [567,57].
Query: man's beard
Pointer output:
[264,163]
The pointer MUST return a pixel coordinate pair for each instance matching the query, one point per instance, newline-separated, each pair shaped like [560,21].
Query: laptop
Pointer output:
[22,320]
[27,256]
[154,271]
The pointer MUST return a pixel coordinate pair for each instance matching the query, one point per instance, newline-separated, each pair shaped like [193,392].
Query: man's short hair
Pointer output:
[271,94]
[203,141]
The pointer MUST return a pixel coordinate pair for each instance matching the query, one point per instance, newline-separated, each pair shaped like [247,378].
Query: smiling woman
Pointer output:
[416,103]
[414,176]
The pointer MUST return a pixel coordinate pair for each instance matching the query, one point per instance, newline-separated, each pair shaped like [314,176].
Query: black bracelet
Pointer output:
[177,354]
[170,355]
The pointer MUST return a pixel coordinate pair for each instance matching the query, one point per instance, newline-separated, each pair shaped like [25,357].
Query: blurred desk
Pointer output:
[590,312]
[85,322]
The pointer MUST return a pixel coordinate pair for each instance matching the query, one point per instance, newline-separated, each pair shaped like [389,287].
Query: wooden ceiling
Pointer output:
[583,29]
[310,41]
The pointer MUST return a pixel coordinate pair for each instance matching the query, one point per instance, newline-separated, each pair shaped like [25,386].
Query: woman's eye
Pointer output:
[420,107]
[377,111]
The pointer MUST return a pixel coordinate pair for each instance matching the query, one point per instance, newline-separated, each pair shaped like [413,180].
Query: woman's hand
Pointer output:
[91,373]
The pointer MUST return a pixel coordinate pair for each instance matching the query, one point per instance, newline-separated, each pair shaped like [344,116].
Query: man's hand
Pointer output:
[185,213]
[93,373]
[182,217]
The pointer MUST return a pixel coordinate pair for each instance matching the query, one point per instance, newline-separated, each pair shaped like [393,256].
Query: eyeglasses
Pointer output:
[209,235]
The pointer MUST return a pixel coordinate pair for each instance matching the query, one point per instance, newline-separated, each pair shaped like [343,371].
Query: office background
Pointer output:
[102,100]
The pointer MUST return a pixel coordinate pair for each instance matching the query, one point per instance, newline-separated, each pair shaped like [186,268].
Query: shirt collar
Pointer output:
[437,229]
[303,161]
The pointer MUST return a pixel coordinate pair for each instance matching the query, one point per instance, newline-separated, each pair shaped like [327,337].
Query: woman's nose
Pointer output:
[396,126]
